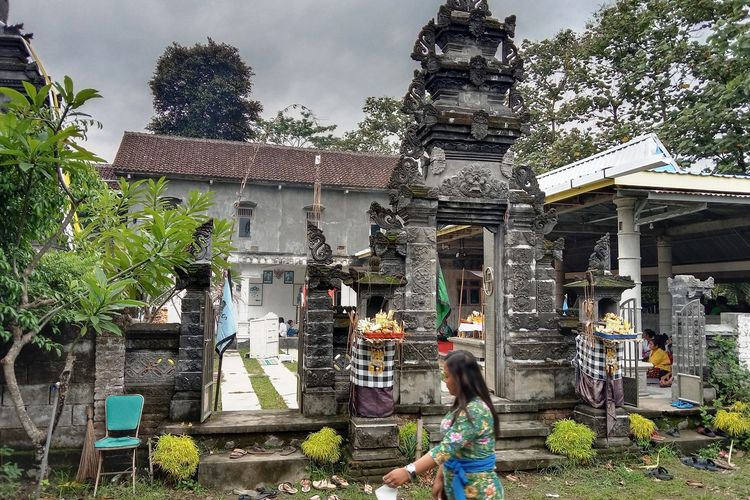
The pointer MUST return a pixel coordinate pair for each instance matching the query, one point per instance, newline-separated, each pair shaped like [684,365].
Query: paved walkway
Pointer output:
[237,393]
[283,380]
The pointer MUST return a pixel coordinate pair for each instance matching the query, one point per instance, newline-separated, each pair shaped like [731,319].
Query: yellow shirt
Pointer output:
[660,359]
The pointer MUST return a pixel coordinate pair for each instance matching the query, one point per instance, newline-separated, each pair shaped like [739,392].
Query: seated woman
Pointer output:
[661,360]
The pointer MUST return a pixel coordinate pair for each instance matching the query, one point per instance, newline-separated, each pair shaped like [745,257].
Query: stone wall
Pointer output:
[109,375]
[36,370]
[151,352]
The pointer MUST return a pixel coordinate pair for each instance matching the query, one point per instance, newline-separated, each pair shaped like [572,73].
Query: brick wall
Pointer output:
[110,365]
[549,417]
[36,370]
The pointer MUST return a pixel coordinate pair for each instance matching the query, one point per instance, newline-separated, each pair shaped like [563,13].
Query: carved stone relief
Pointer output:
[316,242]
[384,217]
[437,161]
[474,182]
[480,125]
[425,44]
[601,259]
[525,179]
[477,70]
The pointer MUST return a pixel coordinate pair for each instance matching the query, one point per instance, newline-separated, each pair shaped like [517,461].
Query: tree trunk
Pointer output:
[9,362]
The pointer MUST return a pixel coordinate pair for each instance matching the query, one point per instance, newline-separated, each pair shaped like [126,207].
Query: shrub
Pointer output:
[323,446]
[177,455]
[407,440]
[725,372]
[641,428]
[733,423]
[573,440]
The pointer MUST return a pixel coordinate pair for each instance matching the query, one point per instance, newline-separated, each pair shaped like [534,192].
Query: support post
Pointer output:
[629,250]
[664,266]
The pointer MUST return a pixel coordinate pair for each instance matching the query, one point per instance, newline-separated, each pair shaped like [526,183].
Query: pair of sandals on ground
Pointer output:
[700,463]
[259,450]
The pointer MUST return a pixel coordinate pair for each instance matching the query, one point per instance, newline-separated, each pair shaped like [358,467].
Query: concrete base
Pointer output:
[419,386]
[319,402]
[222,473]
[185,410]
[596,419]
[373,433]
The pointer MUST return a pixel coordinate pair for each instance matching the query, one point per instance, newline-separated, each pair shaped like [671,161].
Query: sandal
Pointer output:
[264,492]
[673,431]
[237,453]
[287,488]
[287,450]
[340,481]
[332,497]
[367,489]
[706,431]
[656,437]
[323,484]
[315,497]
[258,450]
[306,485]
[660,473]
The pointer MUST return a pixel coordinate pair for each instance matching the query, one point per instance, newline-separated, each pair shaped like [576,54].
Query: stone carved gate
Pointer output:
[466,113]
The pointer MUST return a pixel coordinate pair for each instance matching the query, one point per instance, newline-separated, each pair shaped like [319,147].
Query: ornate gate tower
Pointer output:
[467,112]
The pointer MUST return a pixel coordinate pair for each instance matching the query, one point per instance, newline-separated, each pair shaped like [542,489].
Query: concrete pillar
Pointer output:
[664,263]
[629,250]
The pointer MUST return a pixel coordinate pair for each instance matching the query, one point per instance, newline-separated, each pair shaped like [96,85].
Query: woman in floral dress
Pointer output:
[466,455]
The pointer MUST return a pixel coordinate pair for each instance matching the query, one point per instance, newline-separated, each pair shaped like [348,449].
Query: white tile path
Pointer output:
[283,380]
[237,393]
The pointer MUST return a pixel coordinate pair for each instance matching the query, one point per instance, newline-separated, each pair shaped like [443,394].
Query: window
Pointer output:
[472,292]
[244,212]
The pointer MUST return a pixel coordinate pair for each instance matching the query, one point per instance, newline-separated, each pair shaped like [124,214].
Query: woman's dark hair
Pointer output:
[649,333]
[281,320]
[660,341]
[470,384]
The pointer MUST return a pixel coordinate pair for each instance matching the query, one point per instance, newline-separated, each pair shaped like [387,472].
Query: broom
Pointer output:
[87,466]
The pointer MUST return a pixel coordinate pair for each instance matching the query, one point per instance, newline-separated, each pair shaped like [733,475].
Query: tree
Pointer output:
[381,131]
[555,69]
[203,91]
[77,253]
[305,131]
[675,67]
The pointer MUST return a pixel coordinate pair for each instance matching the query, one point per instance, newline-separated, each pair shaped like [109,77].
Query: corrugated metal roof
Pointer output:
[706,174]
[702,193]
[642,153]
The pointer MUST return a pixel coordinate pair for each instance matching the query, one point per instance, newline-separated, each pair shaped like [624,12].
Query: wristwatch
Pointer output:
[412,470]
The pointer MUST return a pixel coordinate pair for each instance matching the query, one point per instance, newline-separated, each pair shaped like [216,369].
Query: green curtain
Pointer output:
[442,304]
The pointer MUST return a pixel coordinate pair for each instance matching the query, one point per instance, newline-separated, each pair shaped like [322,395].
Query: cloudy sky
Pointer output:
[327,54]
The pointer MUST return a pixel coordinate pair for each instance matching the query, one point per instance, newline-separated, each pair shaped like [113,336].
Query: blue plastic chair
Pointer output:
[122,418]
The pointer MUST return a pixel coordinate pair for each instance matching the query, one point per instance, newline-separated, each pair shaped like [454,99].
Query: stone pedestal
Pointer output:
[373,439]
[596,419]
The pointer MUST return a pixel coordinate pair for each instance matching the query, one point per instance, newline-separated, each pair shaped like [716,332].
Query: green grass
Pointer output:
[292,366]
[269,398]
[629,481]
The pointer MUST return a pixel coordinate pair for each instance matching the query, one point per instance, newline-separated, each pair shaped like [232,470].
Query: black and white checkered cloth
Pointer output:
[373,365]
[591,358]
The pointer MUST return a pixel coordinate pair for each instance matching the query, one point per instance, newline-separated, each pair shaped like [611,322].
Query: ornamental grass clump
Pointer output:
[407,440]
[733,423]
[323,447]
[177,456]
[573,440]
[641,428]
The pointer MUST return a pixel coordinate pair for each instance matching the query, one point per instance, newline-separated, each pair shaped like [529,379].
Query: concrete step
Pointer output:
[528,459]
[219,472]
[520,443]
[690,441]
[529,428]
[517,417]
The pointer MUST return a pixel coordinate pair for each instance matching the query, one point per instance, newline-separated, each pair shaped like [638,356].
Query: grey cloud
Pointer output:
[327,54]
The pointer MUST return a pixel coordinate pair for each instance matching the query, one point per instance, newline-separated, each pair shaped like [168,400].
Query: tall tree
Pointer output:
[552,140]
[203,91]
[52,275]
[675,67]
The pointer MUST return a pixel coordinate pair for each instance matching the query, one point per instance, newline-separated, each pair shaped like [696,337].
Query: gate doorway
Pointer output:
[209,341]
[689,346]
[632,354]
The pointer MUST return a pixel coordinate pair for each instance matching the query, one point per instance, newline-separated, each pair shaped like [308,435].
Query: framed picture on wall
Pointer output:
[296,294]
[288,277]
[255,294]
[268,277]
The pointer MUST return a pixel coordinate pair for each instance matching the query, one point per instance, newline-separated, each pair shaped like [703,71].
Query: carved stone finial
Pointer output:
[406,173]
[525,178]
[601,260]
[438,161]
[316,242]
[202,248]
[411,146]
[510,26]
[414,97]
[4,8]
[425,44]
[517,105]
[545,222]
[384,217]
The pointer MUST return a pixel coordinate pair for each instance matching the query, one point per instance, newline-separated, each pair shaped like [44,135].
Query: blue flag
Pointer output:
[226,329]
